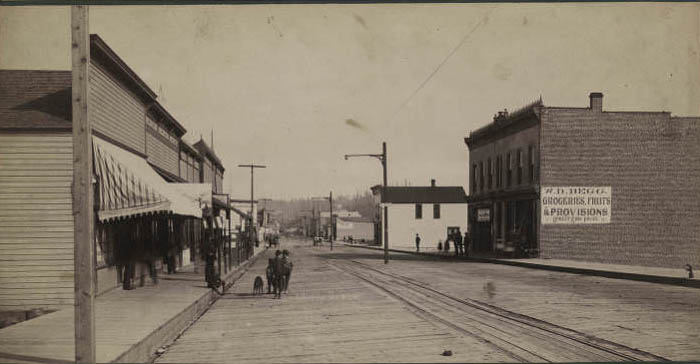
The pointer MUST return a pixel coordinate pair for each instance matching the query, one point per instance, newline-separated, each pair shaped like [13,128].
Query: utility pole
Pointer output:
[83,198]
[252,217]
[330,199]
[330,217]
[383,159]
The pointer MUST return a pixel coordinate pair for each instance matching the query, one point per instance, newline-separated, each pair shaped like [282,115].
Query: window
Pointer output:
[474,186]
[481,175]
[520,166]
[531,154]
[419,211]
[489,180]
[436,211]
[509,166]
[499,171]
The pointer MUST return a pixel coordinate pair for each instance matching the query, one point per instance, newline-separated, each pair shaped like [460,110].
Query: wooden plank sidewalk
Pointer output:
[130,325]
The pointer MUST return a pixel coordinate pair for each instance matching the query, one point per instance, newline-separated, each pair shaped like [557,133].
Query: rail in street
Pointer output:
[522,338]
[345,306]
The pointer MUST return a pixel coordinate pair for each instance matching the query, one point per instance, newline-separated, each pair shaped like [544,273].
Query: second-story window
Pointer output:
[531,155]
[419,211]
[474,179]
[436,211]
[481,176]
[509,166]
[520,166]
[490,175]
[499,172]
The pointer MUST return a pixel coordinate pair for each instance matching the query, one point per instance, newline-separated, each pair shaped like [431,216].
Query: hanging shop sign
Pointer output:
[483,215]
[576,205]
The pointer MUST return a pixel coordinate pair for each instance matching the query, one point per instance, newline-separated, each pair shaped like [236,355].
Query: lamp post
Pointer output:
[383,159]
[252,222]
[330,216]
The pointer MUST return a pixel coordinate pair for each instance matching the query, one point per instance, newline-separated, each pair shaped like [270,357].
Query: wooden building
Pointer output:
[425,210]
[136,153]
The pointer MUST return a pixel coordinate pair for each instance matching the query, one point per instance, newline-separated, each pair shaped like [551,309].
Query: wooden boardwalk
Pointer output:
[127,323]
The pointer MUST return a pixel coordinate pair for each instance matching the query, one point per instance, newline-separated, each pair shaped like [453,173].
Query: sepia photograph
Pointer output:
[329,182]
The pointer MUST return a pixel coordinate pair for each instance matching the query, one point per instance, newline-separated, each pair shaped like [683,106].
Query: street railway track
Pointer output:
[523,338]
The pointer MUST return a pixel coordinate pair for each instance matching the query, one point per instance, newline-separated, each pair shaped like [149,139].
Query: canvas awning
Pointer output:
[129,186]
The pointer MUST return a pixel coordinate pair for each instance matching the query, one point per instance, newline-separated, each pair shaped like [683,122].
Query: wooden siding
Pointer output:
[115,111]
[189,168]
[208,172]
[36,221]
[161,152]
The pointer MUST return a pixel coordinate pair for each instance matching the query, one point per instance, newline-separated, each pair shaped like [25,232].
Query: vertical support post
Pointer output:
[252,216]
[386,210]
[83,208]
[330,220]
[217,240]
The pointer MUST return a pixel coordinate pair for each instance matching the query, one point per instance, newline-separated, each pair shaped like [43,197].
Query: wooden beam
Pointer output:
[84,253]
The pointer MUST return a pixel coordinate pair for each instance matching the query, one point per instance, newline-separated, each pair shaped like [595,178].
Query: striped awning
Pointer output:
[129,186]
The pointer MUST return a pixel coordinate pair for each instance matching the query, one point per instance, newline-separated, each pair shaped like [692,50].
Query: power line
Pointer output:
[483,21]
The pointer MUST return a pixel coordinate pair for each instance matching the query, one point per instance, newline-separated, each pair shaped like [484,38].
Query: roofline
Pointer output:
[158,108]
[233,200]
[105,53]
[503,122]
[209,152]
[190,149]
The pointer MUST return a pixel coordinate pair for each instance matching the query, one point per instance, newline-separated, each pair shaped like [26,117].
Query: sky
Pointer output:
[295,87]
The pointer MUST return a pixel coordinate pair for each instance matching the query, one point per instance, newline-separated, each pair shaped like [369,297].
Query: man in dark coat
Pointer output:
[466,242]
[417,243]
[278,266]
[458,243]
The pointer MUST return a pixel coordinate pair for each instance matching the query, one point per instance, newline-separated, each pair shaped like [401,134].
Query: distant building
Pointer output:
[427,211]
[357,228]
[586,184]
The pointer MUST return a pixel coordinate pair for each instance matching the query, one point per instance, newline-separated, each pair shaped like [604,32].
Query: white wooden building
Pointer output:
[426,210]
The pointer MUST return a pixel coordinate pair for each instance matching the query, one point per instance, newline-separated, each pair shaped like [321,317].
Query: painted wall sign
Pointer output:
[483,215]
[576,205]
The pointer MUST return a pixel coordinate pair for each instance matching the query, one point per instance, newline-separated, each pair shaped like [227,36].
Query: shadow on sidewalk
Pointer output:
[246,296]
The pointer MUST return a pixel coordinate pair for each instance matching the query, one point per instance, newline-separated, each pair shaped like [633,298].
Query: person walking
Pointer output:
[466,242]
[417,243]
[458,243]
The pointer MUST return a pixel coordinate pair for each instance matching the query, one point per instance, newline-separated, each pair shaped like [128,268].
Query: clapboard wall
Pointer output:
[115,111]
[162,147]
[36,222]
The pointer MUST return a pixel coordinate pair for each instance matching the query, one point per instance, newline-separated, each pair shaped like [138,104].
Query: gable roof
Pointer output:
[437,194]
[35,99]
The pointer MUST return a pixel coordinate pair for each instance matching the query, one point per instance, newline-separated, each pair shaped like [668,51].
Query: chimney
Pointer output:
[596,101]
[432,183]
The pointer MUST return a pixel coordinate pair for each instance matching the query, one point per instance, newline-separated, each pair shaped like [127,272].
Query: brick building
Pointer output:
[586,184]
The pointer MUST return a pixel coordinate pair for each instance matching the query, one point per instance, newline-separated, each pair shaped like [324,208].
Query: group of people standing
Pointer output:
[461,244]
[279,272]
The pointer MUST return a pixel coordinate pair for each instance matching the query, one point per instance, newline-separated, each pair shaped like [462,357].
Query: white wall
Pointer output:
[403,224]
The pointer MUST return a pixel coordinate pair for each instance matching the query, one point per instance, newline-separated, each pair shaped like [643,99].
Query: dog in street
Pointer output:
[258,285]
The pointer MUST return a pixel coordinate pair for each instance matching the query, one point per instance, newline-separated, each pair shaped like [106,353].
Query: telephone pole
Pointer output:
[83,198]
[330,217]
[383,159]
[252,217]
